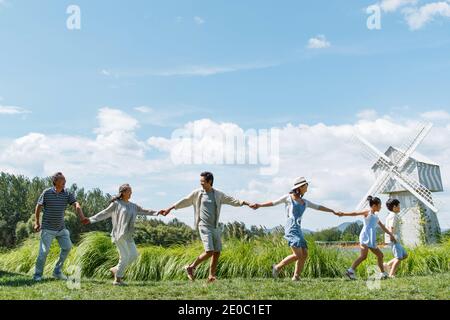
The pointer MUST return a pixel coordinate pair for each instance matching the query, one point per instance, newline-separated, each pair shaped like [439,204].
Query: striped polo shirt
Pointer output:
[55,205]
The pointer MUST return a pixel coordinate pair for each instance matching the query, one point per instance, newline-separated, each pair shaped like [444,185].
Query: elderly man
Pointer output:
[54,201]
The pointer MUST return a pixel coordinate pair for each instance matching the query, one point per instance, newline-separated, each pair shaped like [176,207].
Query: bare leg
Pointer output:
[214,263]
[290,259]
[300,264]
[380,257]
[362,257]
[202,258]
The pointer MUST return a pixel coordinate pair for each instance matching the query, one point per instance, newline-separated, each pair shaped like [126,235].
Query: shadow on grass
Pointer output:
[9,279]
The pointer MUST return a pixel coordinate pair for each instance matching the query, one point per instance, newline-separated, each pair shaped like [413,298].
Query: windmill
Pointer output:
[412,180]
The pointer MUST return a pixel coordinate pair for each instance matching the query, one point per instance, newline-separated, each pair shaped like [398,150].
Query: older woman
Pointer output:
[123,214]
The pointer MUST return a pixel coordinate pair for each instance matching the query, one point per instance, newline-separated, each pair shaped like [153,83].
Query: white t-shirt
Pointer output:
[393,221]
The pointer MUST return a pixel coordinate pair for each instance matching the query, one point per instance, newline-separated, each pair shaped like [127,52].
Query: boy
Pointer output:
[393,224]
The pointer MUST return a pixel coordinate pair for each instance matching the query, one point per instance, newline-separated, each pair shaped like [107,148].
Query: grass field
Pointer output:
[244,270]
[20,287]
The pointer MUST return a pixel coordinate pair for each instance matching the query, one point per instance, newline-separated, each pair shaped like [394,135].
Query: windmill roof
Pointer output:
[418,157]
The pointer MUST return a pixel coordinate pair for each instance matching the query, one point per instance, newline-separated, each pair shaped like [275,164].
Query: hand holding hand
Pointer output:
[86,221]
[255,206]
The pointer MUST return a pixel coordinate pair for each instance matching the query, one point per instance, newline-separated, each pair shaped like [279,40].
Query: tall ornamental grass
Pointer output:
[96,254]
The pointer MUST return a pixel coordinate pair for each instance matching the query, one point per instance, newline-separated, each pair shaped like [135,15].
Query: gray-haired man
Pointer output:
[54,201]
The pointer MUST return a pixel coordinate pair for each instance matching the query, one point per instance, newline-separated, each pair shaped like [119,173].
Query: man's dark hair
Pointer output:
[391,203]
[208,176]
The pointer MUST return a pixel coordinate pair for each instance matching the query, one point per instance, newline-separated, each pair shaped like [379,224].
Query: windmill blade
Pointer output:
[409,150]
[418,190]
[371,150]
[377,188]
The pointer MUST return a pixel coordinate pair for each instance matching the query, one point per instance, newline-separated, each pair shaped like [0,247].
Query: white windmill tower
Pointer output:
[412,180]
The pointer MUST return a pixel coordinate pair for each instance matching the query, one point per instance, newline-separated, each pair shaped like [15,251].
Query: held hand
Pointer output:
[37,227]
[86,221]
[255,206]
[161,213]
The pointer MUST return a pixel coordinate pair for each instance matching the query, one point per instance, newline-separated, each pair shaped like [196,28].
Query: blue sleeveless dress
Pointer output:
[368,236]
[293,230]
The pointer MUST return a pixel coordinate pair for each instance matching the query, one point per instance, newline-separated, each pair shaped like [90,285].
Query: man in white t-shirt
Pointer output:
[393,222]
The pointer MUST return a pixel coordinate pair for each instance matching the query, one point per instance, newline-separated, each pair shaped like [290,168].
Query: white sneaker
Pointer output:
[274,272]
[351,275]
[60,276]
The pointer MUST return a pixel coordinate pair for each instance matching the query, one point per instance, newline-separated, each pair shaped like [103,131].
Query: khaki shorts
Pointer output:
[211,238]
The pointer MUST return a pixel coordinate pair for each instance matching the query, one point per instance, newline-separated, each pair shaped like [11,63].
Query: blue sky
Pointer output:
[241,62]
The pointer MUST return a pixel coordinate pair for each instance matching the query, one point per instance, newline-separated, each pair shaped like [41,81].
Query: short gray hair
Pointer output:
[56,177]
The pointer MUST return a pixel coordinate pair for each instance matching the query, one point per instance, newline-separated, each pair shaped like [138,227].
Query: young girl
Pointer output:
[295,207]
[123,214]
[393,224]
[368,236]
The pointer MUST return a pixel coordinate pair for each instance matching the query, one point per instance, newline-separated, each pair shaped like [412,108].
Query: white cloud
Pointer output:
[203,71]
[393,5]
[11,110]
[367,114]
[319,42]
[437,115]
[199,20]
[339,175]
[417,17]
[144,109]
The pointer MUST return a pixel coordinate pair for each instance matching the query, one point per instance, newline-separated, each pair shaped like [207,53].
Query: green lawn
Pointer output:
[17,286]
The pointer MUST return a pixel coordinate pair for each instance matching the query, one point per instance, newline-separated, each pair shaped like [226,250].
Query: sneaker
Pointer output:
[119,283]
[60,276]
[274,272]
[296,279]
[37,278]
[384,276]
[190,272]
[391,277]
[351,275]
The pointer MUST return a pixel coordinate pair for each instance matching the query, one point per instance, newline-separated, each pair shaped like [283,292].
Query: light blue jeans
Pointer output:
[47,237]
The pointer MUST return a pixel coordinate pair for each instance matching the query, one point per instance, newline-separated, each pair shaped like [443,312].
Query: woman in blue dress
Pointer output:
[295,208]
[368,236]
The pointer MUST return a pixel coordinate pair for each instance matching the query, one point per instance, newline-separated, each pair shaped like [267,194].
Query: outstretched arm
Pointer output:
[79,211]
[282,200]
[353,214]
[103,215]
[145,212]
[183,203]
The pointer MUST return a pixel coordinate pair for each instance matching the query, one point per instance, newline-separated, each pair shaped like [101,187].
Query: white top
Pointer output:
[393,221]
[123,215]
[287,201]
[194,200]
